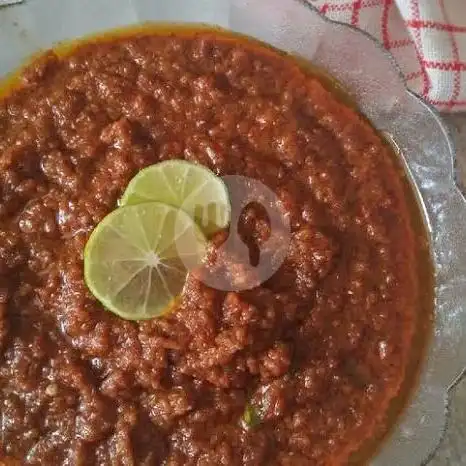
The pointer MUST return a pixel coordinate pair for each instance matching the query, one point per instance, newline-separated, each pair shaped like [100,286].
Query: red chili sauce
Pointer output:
[298,371]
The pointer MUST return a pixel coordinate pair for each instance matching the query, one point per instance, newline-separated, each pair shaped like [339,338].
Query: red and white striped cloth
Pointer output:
[426,37]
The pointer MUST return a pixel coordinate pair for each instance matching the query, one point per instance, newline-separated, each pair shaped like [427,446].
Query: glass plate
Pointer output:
[375,82]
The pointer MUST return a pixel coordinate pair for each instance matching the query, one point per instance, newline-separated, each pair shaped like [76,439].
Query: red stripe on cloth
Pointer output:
[386,10]
[447,103]
[420,24]
[414,75]
[356,9]
[350,5]
[414,5]
[456,56]
[340,7]
[324,8]
[445,66]
[396,44]
[370,3]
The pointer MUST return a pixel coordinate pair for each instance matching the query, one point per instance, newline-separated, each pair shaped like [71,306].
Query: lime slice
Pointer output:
[137,258]
[191,187]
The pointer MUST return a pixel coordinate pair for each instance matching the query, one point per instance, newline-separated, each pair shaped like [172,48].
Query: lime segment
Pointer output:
[137,258]
[190,187]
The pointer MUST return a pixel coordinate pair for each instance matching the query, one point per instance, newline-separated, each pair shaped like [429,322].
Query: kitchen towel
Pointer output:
[426,37]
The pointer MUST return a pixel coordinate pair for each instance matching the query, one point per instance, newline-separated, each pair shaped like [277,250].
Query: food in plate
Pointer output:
[300,370]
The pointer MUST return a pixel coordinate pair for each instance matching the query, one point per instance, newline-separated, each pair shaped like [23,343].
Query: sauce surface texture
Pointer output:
[298,371]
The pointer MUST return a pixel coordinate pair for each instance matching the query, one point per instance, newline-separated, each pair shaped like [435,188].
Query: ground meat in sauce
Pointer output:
[317,352]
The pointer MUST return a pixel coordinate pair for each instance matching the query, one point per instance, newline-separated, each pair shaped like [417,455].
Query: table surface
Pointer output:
[452,451]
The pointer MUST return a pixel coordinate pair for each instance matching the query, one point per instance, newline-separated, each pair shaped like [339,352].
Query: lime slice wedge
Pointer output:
[191,187]
[137,258]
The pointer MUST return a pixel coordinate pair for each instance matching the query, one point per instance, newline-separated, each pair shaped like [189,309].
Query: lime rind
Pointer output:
[190,187]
